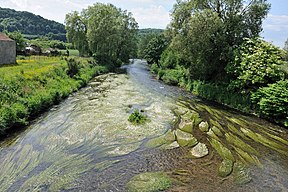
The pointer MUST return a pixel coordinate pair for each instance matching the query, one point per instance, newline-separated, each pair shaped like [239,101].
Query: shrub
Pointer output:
[137,118]
[172,76]
[256,64]
[272,102]
[73,66]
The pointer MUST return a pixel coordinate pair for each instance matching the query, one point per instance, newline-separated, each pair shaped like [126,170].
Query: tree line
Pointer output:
[30,24]
[214,49]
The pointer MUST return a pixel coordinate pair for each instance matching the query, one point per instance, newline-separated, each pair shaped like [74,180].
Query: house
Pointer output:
[7,50]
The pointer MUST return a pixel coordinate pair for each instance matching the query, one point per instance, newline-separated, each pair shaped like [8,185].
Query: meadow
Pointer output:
[36,83]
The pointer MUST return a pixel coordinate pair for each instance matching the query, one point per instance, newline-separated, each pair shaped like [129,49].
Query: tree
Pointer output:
[18,38]
[76,28]
[285,54]
[104,30]
[216,27]
[154,49]
[257,63]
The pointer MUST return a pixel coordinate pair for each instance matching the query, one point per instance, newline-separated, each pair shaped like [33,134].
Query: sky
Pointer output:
[148,13]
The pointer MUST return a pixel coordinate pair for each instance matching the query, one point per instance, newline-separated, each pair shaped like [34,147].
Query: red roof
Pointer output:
[4,37]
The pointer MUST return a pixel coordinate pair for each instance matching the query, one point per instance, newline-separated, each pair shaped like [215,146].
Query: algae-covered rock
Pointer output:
[171,145]
[156,142]
[204,126]
[224,152]
[149,182]
[241,174]
[185,139]
[165,139]
[170,136]
[217,131]
[225,168]
[196,117]
[186,125]
[199,151]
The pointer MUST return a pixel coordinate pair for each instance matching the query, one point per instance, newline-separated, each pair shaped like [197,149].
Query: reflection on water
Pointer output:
[86,143]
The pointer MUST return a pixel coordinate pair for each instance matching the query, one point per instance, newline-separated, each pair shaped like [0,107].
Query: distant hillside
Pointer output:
[28,23]
[143,32]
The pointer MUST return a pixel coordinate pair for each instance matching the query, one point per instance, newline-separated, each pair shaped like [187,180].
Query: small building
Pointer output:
[7,50]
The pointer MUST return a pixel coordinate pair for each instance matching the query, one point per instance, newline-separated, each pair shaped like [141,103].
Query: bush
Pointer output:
[172,76]
[73,66]
[256,64]
[272,102]
[137,118]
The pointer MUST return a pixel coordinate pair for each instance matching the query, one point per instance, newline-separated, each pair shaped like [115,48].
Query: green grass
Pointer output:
[36,83]
[72,52]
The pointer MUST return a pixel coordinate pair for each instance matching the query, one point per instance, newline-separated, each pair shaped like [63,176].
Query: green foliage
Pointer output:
[155,48]
[256,64]
[34,85]
[18,38]
[203,33]
[28,23]
[137,118]
[172,76]
[104,31]
[144,36]
[74,66]
[272,101]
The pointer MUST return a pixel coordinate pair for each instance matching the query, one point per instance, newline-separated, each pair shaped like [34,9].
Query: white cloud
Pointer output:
[276,29]
[148,13]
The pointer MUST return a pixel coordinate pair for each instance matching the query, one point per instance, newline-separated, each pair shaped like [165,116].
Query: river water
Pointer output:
[87,144]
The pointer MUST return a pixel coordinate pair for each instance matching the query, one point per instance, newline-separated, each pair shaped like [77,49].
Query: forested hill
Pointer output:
[28,23]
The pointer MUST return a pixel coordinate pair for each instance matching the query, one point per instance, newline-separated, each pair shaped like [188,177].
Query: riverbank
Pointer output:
[268,102]
[36,83]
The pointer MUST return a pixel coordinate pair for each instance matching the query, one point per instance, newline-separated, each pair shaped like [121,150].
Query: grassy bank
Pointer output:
[33,85]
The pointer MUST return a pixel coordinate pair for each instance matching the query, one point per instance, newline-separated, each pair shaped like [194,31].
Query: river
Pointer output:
[86,143]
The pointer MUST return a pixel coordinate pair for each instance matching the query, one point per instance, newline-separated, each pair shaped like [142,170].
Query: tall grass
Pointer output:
[33,85]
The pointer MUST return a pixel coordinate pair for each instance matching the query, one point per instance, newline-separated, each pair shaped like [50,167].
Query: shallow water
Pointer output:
[87,144]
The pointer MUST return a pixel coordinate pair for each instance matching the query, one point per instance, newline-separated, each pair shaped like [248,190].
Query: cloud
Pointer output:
[276,29]
[148,13]
[152,17]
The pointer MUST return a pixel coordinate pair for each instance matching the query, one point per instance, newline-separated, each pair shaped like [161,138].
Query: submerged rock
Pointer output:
[185,139]
[199,151]
[166,139]
[171,146]
[186,125]
[241,174]
[204,126]
[225,168]
[149,182]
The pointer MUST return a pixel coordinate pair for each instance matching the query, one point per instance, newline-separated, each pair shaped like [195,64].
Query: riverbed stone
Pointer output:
[173,145]
[185,139]
[241,174]
[224,152]
[170,136]
[186,125]
[149,182]
[225,168]
[199,151]
[204,126]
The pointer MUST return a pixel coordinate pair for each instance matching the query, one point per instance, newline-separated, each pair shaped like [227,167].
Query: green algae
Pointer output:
[276,137]
[234,130]
[186,125]
[185,139]
[241,174]
[225,168]
[165,139]
[248,158]
[217,131]
[224,152]
[233,139]
[265,141]
[213,135]
[149,182]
